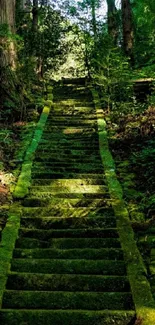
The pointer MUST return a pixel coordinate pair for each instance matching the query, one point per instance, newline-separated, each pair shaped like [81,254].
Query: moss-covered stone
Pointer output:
[67,300]
[74,317]
[142,296]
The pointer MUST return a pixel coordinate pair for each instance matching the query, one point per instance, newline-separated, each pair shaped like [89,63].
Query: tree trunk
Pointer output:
[7,20]
[128,36]
[35,16]
[94,18]
[112,23]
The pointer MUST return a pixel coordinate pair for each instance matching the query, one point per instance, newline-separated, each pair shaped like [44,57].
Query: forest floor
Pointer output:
[133,149]
[14,138]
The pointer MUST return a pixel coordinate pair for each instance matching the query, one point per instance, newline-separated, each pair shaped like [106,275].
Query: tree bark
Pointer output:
[93,8]
[128,36]
[7,19]
[35,16]
[112,23]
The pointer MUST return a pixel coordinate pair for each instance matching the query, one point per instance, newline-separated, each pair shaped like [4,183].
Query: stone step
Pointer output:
[66,317]
[62,212]
[60,137]
[87,253]
[66,118]
[67,282]
[67,169]
[68,182]
[68,233]
[72,123]
[52,147]
[66,266]
[69,164]
[64,223]
[66,202]
[70,187]
[66,300]
[72,144]
[63,157]
[68,243]
[84,113]
[66,195]
[69,152]
[57,175]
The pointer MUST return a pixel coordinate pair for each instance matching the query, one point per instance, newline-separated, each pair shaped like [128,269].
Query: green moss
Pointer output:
[67,300]
[140,287]
[24,180]
[104,267]
[67,282]
[9,236]
[74,317]
[87,253]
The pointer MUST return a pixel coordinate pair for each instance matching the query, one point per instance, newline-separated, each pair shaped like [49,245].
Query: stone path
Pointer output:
[68,266]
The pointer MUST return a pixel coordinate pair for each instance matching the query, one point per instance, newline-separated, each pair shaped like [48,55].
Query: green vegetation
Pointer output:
[77,148]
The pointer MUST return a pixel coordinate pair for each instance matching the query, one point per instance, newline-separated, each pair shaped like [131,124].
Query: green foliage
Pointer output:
[113,76]
[144,21]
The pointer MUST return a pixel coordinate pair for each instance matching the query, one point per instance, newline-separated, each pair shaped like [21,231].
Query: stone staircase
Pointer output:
[68,266]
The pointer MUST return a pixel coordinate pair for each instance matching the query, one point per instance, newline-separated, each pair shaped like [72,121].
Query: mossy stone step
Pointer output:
[64,159]
[68,145]
[66,317]
[68,212]
[69,151]
[76,122]
[67,282]
[67,300]
[86,114]
[70,139]
[68,243]
[70,187]
[68,128]
[68,233]
[67,164]
[63,147]
[72,118]
[60,175]
[79,202]
[73,103]
[85,111]
[87,253]
[72,150]
[68,182]
[67,170]
[64,195]
[56,157]
[64,223]
[66,266]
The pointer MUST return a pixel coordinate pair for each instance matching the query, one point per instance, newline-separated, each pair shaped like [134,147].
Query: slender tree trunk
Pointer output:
[128,37]
[112,23]
[93,8]
[35,16]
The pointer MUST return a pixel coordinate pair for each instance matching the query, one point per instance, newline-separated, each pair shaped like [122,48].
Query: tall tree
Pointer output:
[93,10]
[7,23]
[112,21]
[35,16]
[128,36]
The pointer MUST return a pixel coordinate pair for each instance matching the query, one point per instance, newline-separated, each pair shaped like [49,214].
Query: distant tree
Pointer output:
[112,21]
[128,34]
